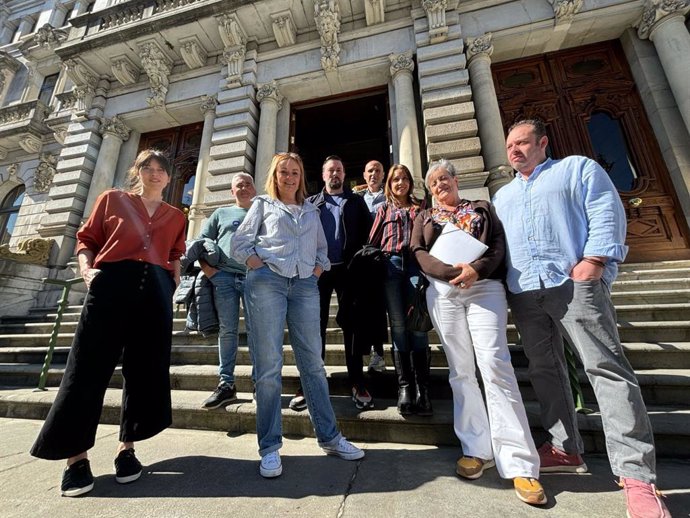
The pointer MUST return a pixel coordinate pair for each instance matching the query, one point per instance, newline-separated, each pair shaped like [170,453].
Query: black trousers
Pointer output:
[127,313]
[336,279]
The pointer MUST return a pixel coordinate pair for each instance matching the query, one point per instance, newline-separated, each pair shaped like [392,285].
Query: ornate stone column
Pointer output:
[114,132]
[406,116]
[270,100]
[196,215]
[488,115]
[663,22]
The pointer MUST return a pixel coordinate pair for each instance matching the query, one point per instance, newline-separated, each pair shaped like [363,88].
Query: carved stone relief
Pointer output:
[30,251]
[208,103]
[116,127]
[124,70]
[401,63]
[157,66]
[30,143]
[327,18]
[655,10]
[436,17]
[193,52]
[269,91]
[233,57]
[43,177]
[231,31]
[479,45]
[565,10]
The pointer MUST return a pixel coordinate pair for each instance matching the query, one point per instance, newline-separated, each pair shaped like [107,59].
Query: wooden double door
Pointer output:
[591,107]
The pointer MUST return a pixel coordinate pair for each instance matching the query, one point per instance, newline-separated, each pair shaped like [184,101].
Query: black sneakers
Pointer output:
[77,479]
[224,394]
[127,467]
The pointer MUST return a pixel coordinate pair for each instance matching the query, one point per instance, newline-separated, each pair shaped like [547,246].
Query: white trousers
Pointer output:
[472,323]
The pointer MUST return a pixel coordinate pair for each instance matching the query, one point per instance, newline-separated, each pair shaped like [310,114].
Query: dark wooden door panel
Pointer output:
[576,91]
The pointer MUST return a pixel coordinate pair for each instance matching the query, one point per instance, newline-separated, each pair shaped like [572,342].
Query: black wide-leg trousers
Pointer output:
[127,313]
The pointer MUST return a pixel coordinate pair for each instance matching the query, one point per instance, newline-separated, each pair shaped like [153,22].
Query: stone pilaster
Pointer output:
[196,214]
[114,132]
[450,127]
[401,70]
[488,114]
[663,22]
[270,100]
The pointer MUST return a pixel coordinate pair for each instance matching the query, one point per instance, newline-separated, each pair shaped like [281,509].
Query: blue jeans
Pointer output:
[399,286]
[271,300]
[228,289]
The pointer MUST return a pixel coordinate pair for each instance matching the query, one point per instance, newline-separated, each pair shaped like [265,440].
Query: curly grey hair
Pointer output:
[441,163]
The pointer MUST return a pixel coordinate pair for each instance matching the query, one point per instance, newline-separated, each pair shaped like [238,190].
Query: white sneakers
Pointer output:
[272,467]
[345,450]
[376,362]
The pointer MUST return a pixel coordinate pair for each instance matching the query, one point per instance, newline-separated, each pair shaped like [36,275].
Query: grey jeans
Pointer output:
[582,312]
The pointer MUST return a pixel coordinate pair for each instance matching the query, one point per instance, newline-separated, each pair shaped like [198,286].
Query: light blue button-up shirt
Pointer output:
[289,244]
[565,210]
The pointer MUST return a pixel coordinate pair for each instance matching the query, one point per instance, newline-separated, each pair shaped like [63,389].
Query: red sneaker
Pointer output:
[643,500]
[554,460]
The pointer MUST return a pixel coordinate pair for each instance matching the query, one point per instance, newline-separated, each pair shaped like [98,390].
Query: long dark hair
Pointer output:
[388,191]
[143,159]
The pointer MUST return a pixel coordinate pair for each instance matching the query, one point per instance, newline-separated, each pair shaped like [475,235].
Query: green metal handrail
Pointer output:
[62,304]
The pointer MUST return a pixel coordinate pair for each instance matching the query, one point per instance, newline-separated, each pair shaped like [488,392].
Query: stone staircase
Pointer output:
[653,303]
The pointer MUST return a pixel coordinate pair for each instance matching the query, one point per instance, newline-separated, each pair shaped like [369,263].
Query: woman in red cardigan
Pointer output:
[128,253]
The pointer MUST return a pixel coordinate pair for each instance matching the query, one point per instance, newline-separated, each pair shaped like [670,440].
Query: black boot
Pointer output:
[422,367]
[403,368]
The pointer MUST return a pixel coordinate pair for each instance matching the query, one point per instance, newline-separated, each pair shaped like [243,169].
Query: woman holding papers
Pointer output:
[467,304]
[391,232]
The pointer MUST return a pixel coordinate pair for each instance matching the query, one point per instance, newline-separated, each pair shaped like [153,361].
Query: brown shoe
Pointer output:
[529,490]
[472,467]
[555,460]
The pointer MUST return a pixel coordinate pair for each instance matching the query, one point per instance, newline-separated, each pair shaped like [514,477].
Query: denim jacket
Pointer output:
[288,245]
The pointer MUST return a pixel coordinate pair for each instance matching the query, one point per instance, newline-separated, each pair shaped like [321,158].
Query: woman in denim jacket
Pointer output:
[283,245]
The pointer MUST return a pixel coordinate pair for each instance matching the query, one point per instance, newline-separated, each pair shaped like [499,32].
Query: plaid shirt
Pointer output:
[392,228]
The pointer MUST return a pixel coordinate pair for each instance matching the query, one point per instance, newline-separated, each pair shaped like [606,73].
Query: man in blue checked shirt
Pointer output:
[565,233]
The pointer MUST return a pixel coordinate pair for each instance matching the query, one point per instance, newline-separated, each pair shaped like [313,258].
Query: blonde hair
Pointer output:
[272,181]
[143,159]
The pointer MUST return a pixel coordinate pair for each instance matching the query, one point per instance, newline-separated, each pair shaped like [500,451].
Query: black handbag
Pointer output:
[417,316]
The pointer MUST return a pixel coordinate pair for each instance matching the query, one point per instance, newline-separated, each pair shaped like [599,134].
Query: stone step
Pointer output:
[672,283]
[659,386]
[642,331]
[626,313]
[671,424]
[641,355]
[656,265]
[644,274]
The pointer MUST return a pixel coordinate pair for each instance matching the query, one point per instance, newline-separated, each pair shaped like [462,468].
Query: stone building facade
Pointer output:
[223,84]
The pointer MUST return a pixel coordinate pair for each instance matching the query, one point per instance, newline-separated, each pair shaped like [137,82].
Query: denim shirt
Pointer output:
[288,245]
[565,210]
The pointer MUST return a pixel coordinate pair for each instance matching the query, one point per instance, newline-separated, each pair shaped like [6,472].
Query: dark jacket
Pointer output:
[363,306]
[489,266]
[355,221]
[205,309]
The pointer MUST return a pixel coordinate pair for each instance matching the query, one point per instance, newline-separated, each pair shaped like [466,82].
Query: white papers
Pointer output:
[454,246]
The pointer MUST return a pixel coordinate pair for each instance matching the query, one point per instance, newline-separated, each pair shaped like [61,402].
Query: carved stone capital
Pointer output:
[375,11]
[565,10]
[60,133]
[436,18]
[83,95]
[193,52]
[284,28]
[233,57]
[124,70]
[655,11]
[269,92]
[231,32]
[401,63]
[30,251]
[208,104]
[157,66]
[116,127]
[43,177]
[478,46]
[327,18]
[13,172]
[30,143]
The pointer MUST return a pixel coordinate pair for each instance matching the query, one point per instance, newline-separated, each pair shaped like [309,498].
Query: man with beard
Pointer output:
[346,222]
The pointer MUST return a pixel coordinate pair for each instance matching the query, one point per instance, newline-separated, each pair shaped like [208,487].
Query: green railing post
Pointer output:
[62,304]
[578,396]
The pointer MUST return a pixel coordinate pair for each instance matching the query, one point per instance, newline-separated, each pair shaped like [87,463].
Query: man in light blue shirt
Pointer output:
[565,230]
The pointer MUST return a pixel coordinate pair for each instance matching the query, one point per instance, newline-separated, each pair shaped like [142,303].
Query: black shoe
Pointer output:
[77,479]
[224,394]
[298,403]
[405,400]
[127,467]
